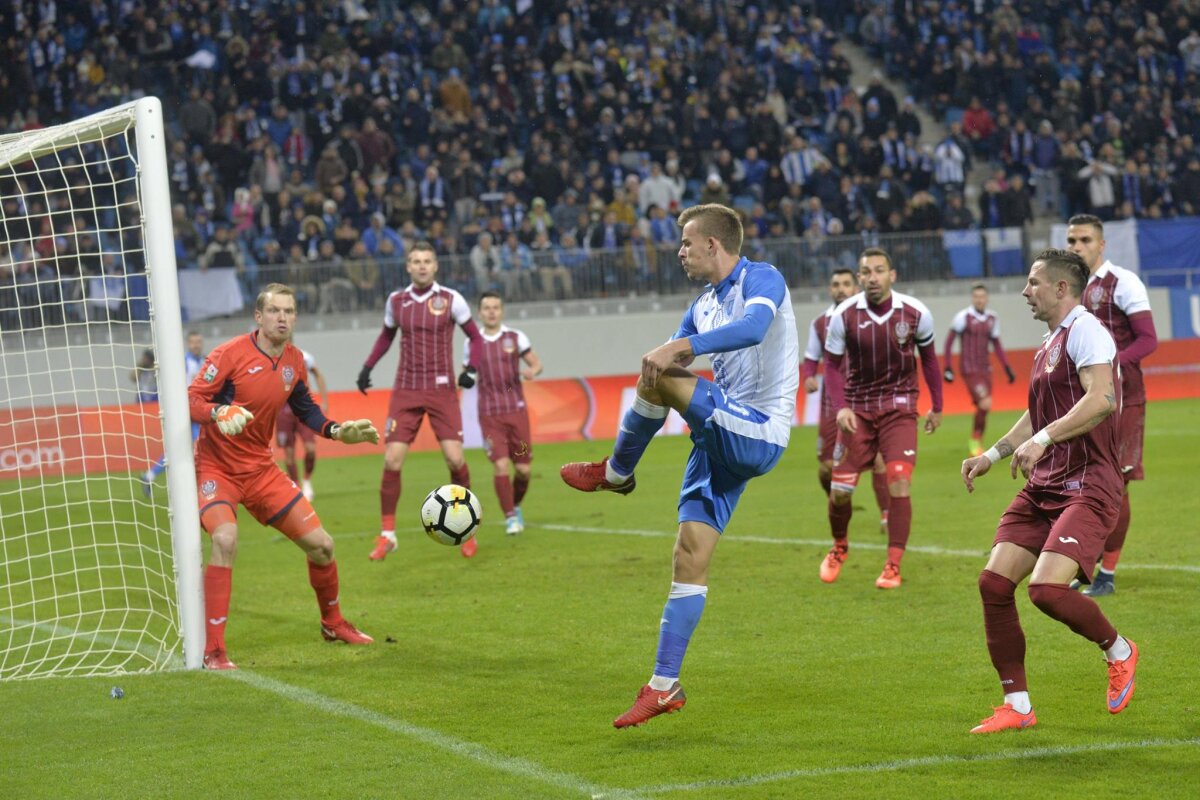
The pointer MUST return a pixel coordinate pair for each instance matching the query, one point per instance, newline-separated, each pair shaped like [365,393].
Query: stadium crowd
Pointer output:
[547,147]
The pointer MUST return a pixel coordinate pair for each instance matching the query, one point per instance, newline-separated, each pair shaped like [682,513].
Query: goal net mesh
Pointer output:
[87,582]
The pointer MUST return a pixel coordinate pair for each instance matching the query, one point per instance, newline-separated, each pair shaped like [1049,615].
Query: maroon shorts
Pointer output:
[979,384]
[268,495]
[827,433]
[507,436]
[288,428]
[892,433]
[1073,525]
[1131,431]
[408,406]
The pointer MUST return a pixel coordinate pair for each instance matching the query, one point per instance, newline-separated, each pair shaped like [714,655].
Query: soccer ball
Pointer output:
[450,514]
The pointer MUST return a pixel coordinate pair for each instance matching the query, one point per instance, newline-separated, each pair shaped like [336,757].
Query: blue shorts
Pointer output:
[722,461]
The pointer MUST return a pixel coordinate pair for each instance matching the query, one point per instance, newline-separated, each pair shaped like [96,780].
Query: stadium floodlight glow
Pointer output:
[96,576]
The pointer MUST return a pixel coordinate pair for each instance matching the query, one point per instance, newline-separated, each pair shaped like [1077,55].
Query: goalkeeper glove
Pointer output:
[364,380]
[355,431]
[1012,378]
[232,420]
[466,379]
[948,375]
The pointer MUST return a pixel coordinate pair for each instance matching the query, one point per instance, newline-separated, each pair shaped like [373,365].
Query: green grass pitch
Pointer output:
[499,677]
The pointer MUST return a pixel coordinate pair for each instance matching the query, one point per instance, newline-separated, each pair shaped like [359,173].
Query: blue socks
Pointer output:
[680,616]
[637,428]
[158,468]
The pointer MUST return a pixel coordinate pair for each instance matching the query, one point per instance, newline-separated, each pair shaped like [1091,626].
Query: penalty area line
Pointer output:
[519,767]
[932,550]
[900,765]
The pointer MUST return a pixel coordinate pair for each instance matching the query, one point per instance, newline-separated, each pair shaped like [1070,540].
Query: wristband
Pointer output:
[992,455]
[1043,438]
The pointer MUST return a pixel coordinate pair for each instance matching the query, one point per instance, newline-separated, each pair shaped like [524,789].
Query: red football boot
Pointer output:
[218,659]
[344,632]
[650,703]
[591,477]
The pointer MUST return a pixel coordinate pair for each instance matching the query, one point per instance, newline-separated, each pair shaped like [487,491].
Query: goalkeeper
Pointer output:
[236,396]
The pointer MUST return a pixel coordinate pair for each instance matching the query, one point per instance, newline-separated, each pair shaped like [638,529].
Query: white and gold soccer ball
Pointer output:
[450,514]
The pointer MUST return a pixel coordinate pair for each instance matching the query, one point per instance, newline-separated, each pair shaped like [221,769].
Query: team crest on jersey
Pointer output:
[508,346]
[903,331]
[437,305]
[208,489]
[210,373]
[289,375]
[1052,359]
[1096,296]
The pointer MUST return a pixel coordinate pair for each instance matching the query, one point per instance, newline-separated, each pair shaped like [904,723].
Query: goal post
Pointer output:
[99,570]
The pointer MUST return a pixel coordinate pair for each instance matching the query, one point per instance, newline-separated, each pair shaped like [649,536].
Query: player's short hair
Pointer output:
[190,334]
[422,245]
[978,287]
[1067,266]
[272,288]
[876,251]
[485,295]
[720,222]
[842,271]
[1087,219]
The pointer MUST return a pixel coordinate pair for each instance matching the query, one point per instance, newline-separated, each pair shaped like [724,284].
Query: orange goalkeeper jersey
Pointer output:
[239,372]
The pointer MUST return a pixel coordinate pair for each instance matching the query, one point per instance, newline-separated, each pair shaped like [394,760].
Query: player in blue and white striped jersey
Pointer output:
[193,360]
[740,421]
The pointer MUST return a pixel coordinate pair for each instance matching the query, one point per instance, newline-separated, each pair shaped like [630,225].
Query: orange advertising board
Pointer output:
[69,440]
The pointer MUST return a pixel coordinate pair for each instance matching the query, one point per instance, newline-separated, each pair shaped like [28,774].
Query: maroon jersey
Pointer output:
[499,365]
[880,351]
[1087,463]
[977,332]
[239,372]
[1113,295]
[815,351]
[426,320]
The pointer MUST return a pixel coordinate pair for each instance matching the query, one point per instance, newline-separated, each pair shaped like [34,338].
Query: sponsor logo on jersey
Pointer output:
[208,489]
[508,346]
[1055,355]
[289,375]
[437,305]
[903,331]
[1095,296]
[253,370]
[210,373]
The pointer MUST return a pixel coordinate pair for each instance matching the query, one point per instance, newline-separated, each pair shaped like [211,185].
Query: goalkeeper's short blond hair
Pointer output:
[273,288]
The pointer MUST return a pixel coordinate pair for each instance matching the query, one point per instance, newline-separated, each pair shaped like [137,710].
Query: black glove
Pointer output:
[948,375]
[1011,377]
[364,380]
[466,378]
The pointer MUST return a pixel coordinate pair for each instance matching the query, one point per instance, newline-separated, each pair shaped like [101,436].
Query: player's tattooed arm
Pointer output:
[1004,448]
[1098,402]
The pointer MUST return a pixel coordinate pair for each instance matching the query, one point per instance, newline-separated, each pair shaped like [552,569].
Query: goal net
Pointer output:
[99,571]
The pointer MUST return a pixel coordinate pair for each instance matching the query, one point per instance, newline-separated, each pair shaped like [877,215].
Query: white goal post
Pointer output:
[99,569]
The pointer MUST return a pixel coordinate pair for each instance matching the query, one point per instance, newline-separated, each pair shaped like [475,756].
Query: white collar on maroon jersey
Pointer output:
[433,287]
[1099,274]
[503,330]
[1071,316]
[897,304]
[982,317]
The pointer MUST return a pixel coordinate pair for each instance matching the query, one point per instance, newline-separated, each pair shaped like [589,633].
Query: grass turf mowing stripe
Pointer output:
[427,736]
[856,544]
[925,761]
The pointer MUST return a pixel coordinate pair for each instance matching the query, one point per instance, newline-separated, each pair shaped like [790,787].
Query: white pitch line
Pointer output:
[858,544]
[428,736]
[926,761]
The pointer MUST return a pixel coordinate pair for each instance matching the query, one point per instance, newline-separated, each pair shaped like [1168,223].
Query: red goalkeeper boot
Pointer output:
[344,632]
[218,659]
[591,477]
[650,703]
